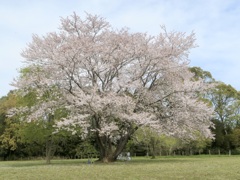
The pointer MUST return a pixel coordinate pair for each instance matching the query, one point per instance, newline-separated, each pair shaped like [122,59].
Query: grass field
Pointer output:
[191,167]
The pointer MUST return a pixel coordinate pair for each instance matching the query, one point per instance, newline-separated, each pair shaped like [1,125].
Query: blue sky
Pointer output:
[215,22]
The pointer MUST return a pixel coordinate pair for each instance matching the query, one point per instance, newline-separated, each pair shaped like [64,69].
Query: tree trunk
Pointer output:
[49,150]
[153,148]
[109,152]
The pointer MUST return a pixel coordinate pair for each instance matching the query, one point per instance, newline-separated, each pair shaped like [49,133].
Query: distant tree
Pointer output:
[21,137]
[150,138]
[197,145]
[199,73]
[86,150]
[8,126]
[39,118]
[226,103]
[235,137]
[154,142]
[223,98]
[114,81]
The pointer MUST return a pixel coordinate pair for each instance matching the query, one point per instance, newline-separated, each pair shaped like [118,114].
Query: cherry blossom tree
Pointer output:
[114,81]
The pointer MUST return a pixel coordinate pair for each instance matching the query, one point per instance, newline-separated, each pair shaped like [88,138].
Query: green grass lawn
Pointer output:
[192,167]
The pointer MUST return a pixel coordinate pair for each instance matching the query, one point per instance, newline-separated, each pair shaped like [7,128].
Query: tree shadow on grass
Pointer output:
[77,162]
[33,163]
